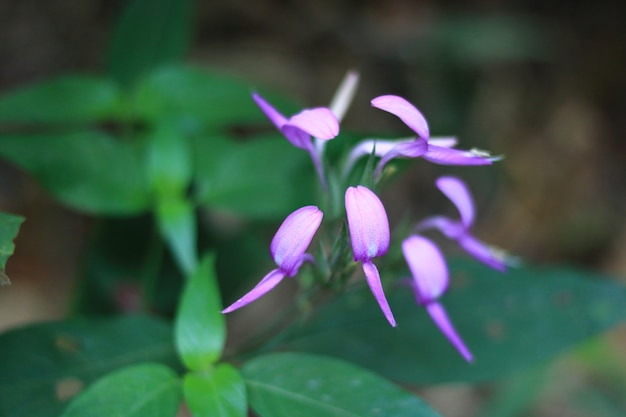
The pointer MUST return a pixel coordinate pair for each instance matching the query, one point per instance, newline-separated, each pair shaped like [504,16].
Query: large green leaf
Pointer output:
[510,322]
[301,385]
[44,365]
[262,178]
[9,226]
[66,100]
[150,33]
[88,171]
[201,98]
[146,390]
[200,326]
[220,392]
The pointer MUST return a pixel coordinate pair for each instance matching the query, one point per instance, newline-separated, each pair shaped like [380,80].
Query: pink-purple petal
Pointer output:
[404,110]
[373,280]
[267,284]
[440,317]
[413,149]
[428,268]
[367,223]
[448,156]
[443,141]
[458,193]
[483,253]
[379,146]
[294,237]
[319,122]
[274,115]
[297,137]
[453,229]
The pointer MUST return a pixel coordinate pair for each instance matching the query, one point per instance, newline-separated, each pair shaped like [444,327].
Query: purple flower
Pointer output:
[288,246]
[460,230]
[369,236]
[430,280]
[319,122]
[421,146]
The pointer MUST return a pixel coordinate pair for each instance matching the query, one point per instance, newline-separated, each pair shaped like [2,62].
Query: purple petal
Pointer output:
[458,193]
[293,238]
[428,267]
[267,283]
[447,156]
[319,122]
[367,222]
[444,141]
[413,149]
[366,147]
[278,119]
[453,229]
[373,280]
[442,321]
[379,146]
[316,157]
[407,112]
[484,253]
[298,137]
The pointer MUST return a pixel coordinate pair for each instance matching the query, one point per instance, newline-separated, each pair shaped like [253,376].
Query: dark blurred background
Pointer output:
[543,83]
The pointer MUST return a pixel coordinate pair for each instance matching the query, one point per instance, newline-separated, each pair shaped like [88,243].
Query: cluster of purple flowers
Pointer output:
[366,217]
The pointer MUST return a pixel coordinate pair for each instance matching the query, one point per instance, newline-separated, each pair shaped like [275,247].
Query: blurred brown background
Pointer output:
[543,83]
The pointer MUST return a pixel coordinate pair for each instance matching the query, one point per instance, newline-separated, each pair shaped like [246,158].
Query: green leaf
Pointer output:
[177,222]
[200,329]
[45,365]
[146,390]
[9,226]
[218,393]
[510,322]
[64,100]
[235,176]
[89,171]
[295,384]
[169,160]
[150,34]
[202,99]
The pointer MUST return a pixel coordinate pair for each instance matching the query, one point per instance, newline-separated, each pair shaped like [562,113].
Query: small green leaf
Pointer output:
[9,226]
[169,160]
[65,100]
[235,176]
[150,33]
[177,222]
[200,328]
[510,322]
[289,384]
[89,171]
[146,390]
[52,362]
[218,393]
